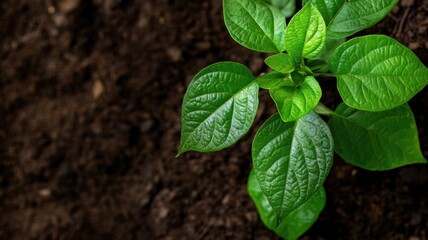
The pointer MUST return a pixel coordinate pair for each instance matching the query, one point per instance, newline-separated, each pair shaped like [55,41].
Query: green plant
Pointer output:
[293,151]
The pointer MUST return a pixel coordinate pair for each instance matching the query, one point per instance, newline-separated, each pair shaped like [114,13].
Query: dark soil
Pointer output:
[90,120]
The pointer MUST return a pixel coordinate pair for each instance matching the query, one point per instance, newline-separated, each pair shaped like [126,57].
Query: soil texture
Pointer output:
[90,108]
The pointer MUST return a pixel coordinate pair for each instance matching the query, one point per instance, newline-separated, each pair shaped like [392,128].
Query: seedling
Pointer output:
[293,151]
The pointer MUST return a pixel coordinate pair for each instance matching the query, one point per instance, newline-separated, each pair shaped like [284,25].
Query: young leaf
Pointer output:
[280,62]
[218,108]
[255,25]
[305,35]
[376,73]
[292,160]
[274,80]
[294,224]
[295,102]
[376,140]
[344,18]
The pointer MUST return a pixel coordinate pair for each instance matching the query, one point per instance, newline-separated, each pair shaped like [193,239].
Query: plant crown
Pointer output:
[292,152]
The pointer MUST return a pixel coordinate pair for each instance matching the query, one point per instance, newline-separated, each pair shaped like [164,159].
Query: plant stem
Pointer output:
[323,110]
[326,75]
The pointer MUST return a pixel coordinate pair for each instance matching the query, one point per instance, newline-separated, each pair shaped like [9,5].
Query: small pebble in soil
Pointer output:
[414,45]
[59,20]
[163,212]
[67,6]
[251,216]
[395,10]
[97,89]
[203,45]
[340,175]
[161,20]
[143,22]
[174,53]
[51,10]
[147,125]
[225,200]
[45,192]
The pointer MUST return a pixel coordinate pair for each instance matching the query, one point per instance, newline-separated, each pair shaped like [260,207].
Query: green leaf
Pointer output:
[295,102]
[280,62]
[298,77]
[329,47]
[294,224]
[274,80]
[263,206]
[301,219]
[292,160]
[376,140]
[255,25]
[377,73]
[328,8]
[305,35]
[319,63]
[344,18]
[218,108]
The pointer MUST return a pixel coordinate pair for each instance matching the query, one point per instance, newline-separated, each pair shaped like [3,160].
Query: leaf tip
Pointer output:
[180,152]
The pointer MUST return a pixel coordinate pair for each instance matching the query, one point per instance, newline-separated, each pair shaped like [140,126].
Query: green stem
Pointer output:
[323,110]
[326,75]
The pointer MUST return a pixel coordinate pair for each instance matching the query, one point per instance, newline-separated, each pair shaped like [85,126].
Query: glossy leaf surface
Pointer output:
[295,102]
[344,18]
[305,35]
[280,62]
[291,160]
[255,24]
[218,108]
[328,8]
[274,80]
[294,224]
[376,140]
[378,74]
[329,47]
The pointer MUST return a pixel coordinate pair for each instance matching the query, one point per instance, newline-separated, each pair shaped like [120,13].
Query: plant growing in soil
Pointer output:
[293,150]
